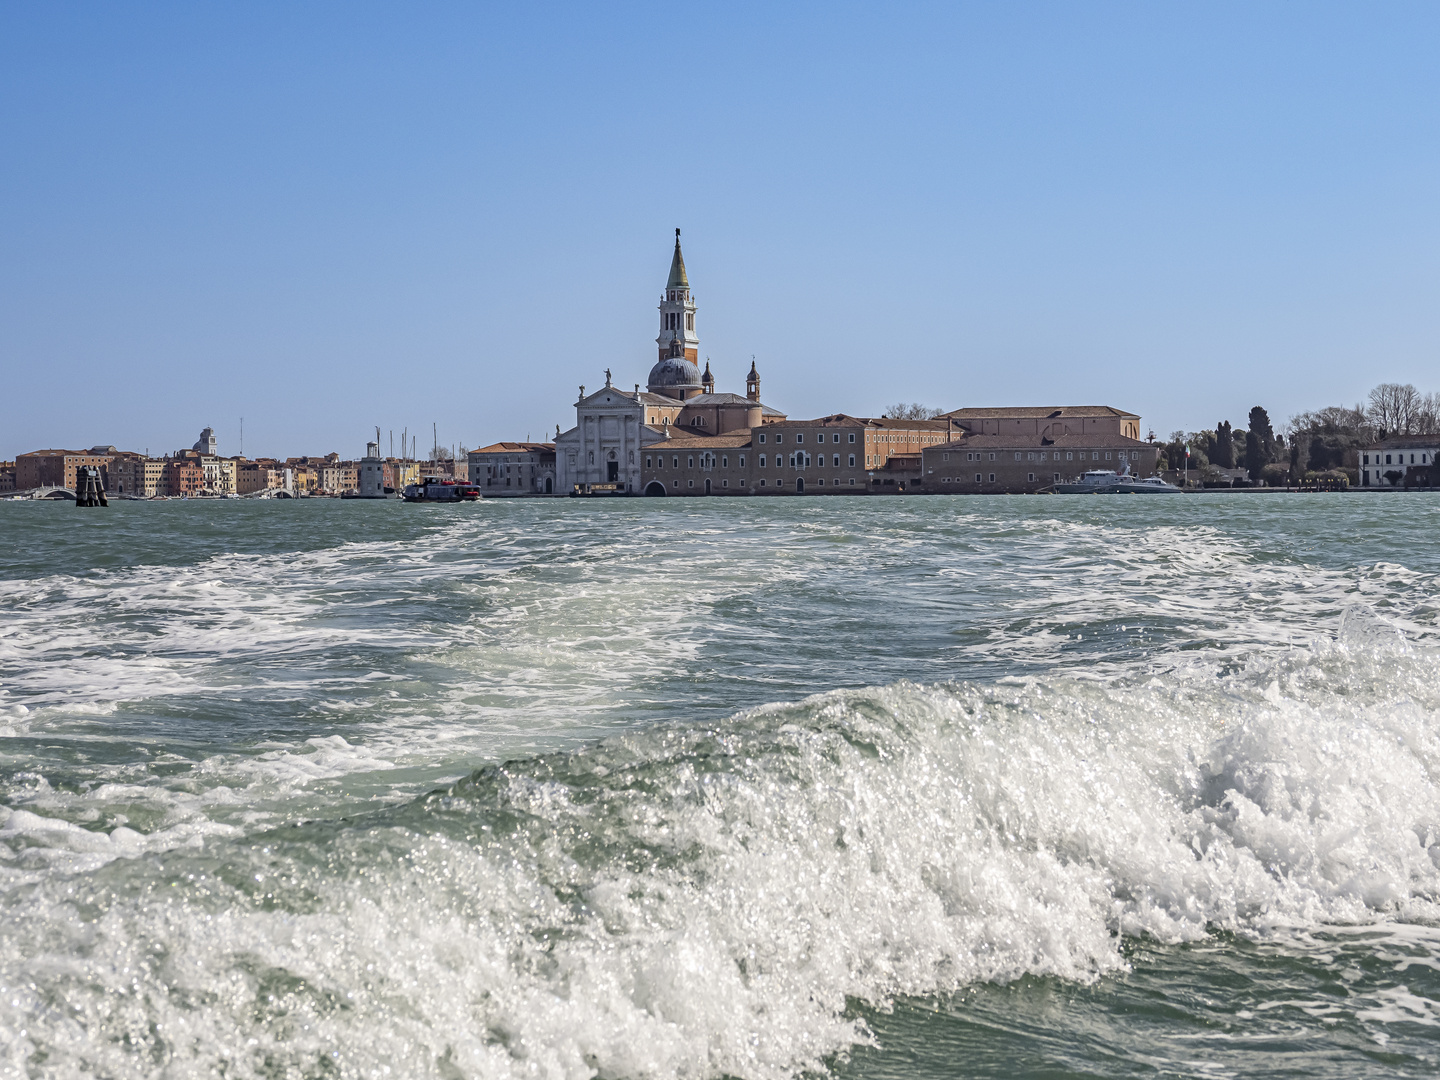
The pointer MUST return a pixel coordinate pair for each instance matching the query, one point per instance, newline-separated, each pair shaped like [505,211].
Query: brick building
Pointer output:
[57,468]
[513,468]
[1000,464]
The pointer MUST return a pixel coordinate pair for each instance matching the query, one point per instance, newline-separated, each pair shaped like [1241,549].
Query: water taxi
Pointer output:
[434,489]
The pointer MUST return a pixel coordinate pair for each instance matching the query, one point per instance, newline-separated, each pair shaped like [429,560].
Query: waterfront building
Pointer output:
[185,477]
[261,475]
[7,476]
[513,468]
[1399,461]
[829,455]
[57,468]
[999,464]
[1041,422]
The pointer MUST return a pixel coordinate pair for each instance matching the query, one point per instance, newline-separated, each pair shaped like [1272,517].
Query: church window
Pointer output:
[649,461]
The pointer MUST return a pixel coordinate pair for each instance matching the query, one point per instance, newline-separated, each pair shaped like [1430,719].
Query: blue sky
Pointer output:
[325,218]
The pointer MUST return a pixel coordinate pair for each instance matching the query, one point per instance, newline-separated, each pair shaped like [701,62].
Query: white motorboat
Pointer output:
[1110,482]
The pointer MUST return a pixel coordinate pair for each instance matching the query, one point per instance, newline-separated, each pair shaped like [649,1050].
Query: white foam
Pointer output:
[695,902]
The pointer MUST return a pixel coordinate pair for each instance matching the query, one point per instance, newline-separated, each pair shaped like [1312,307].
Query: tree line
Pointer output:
[1313,443]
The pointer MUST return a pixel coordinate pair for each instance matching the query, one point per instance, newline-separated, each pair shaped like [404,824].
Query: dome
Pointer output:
[674,372]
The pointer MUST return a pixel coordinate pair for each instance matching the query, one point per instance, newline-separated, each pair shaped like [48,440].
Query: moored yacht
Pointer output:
[1109,482]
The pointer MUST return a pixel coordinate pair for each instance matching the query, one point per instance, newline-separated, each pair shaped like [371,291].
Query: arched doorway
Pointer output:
[654,488]
[707,485]
[799,483]
[547,485]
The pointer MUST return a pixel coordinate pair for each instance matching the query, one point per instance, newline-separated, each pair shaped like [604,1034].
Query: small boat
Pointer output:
[1109,482]
[434,489]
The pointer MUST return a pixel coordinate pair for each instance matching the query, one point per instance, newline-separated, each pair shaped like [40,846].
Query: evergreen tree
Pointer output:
[1261,429]
[1254,451]
[1224,454]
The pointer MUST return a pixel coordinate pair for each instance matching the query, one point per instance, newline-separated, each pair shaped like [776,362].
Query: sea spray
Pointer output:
[702,900]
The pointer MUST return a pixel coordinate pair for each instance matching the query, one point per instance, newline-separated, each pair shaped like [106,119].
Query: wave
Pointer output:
[714,899]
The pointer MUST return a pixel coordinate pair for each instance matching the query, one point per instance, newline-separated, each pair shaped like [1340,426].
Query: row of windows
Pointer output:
[1424,459]
[708,461]
[800,437]
[1070,455]
[799,484]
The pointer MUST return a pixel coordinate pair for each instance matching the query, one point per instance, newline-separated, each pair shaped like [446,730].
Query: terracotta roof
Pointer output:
[1405,442]
[1041,412]
[688,439]
[846,420]
[512,447]
[1030,442]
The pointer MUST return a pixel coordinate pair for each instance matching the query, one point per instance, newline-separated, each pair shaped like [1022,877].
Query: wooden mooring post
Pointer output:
[89,491]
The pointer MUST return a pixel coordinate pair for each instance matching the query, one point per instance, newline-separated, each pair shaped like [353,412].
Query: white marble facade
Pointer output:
[605,444]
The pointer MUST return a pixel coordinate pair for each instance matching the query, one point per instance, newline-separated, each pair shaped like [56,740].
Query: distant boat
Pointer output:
[1109,482]
[434,489]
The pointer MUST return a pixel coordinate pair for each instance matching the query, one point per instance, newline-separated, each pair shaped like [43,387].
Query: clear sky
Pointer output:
[327,217]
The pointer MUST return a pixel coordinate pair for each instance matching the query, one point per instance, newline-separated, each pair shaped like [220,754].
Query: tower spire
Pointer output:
[678,280]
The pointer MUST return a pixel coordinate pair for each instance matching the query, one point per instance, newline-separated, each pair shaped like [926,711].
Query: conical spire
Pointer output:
[678,280]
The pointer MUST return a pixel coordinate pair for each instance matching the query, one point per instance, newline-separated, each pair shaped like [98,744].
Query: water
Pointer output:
[887,787]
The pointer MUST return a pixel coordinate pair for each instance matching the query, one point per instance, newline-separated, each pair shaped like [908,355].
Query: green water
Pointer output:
[872,786]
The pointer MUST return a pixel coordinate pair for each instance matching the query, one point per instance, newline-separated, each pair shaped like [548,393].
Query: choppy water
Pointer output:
[901,787]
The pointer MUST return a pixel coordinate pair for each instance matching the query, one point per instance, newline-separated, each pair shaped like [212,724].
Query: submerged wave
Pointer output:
[699,900]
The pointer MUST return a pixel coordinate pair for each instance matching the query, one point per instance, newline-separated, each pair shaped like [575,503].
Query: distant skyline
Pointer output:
[329,217]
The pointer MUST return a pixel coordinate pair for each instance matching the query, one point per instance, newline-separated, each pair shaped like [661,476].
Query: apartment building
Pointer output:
[513,468]
[1007,464]
[57,468]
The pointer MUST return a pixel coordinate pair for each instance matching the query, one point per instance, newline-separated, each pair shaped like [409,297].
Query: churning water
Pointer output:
[888,787]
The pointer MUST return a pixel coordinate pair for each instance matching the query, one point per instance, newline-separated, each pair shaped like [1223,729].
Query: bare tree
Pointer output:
[913,411]
[1394,408]
[1427,415]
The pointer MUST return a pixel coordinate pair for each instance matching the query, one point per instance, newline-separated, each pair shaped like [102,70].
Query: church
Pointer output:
[604,451]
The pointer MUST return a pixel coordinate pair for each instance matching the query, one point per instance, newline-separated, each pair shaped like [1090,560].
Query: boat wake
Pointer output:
[707,900]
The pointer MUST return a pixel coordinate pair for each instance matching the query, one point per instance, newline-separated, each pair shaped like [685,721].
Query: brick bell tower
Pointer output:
[677,313]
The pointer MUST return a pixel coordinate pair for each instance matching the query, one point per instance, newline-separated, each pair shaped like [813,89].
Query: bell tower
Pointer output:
[677,313]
